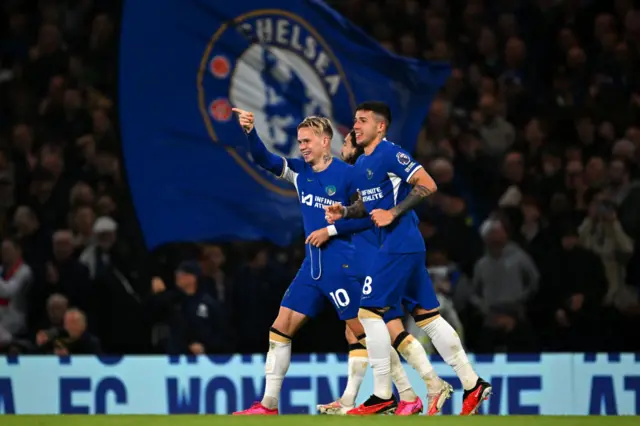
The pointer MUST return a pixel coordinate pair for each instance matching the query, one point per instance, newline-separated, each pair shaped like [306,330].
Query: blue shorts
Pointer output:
[393,278]
[306,294]
[397,311]
[365,254]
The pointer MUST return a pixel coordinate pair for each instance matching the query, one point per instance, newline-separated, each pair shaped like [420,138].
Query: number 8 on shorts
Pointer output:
[366,288]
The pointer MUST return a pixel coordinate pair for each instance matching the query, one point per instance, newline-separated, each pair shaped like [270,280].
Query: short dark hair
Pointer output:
[352,135]
[359,149]
[377,107]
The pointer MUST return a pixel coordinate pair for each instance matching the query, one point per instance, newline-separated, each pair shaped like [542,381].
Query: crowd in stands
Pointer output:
[533,237]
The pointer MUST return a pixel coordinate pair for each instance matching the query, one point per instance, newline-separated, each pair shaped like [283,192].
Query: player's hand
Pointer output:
[382,217]
[318,238]
[245,118]
[196,348]
[334,213]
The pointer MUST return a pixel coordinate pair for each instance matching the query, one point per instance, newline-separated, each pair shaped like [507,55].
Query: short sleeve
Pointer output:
[402,164]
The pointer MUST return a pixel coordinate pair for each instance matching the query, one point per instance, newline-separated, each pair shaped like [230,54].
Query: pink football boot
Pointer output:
[406,408]
[257,409]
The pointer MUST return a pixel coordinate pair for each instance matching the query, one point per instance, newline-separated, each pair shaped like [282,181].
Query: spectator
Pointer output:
[57,306]
[97,255]
[577,285]
[114,276]
[625,192]
[66,275]
[34,239]
[498,135]
[70,339]
[505,280]
[193,315]
[15,279]
[213,277]
[82,219]
[602,233]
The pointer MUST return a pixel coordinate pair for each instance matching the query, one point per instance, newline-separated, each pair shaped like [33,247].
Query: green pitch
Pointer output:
[181,420]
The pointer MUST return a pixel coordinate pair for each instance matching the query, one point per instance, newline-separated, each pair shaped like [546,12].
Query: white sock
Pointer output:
[449,346]
[379,348]
[400,378]
[275,368]
[417,358]
[358,363]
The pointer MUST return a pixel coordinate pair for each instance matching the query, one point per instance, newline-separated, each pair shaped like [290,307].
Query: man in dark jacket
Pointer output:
[193,315]
[70,339]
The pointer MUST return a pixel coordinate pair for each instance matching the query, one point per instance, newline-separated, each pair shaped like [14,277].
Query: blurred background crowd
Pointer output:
[533,237]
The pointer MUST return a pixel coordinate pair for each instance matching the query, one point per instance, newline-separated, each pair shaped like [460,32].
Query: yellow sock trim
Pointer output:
[424,322]
[365,313]
[361,353]
[278,338]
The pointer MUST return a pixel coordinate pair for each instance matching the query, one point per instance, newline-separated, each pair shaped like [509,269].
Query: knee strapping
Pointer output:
[402,340]
[278,336]
[374,313]
[362,339]
[357,350]
[423,319]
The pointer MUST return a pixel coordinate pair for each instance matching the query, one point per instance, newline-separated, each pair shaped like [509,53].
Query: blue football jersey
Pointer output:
[382,179]
[317,190]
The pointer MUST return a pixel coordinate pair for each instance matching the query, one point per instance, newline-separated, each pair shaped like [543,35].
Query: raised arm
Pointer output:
[265,159]
[423,186]
[261,155]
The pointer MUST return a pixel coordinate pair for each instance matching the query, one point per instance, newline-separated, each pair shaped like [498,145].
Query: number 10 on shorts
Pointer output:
[340,297]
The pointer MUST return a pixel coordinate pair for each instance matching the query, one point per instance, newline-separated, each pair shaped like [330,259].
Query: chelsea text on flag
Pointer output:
[185,63]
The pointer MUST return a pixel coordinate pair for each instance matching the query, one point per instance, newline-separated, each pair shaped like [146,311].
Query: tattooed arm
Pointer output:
[423,186]
[355,210]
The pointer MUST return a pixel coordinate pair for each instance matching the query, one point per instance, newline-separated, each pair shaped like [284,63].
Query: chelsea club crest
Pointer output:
[331,190]
[369,174]
[275,64]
